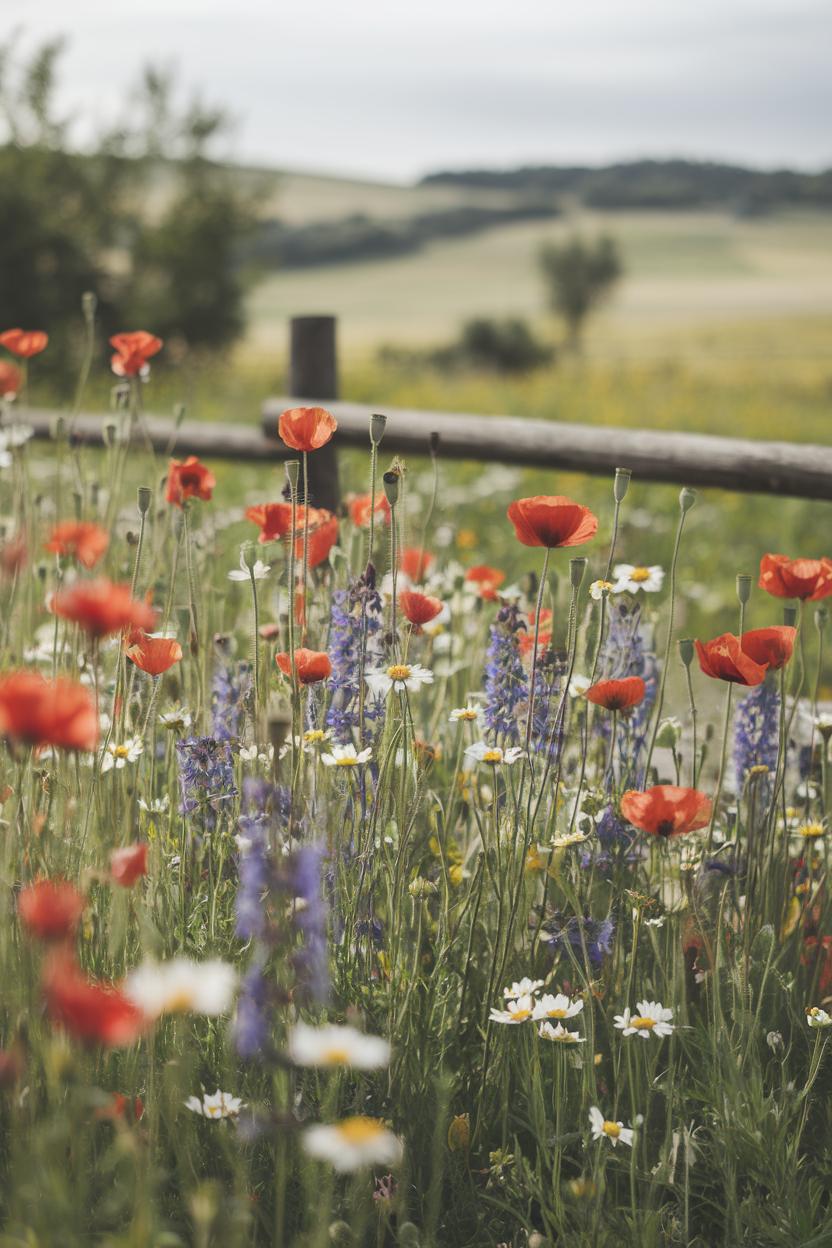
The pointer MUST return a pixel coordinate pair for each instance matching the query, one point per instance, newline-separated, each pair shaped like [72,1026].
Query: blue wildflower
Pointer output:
[231,690]
[356,619]
[757,732]
[506,684]
[206,778]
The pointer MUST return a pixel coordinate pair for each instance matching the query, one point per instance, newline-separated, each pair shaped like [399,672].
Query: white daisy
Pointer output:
[559,1034]
[177,719]
[816,1017]
[519,1011]
[578,685]
[493,754]
[657,922]
[522,988]
[651,1016]
[556,1006]
[314,737]
[353,1143]
[465,714]
[630,578]
[346,756]
[219,1105]
[157,806]
[399,676]
[260,570]
[336,1046]
[248,753]
[615,1132]
[119,756]
[182,986]
[600,589]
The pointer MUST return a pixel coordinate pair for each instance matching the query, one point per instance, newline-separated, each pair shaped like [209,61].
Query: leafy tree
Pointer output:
[579,275]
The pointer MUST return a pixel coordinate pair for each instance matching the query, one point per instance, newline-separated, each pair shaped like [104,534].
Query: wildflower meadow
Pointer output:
[358,892]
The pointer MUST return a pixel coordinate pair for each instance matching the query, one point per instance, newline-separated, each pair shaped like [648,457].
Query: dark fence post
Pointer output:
[313,374]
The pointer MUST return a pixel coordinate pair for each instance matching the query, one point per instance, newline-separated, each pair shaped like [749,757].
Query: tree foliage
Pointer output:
[578,276]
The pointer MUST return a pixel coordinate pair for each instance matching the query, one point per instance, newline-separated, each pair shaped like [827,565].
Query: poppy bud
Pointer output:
[621,484]
[686,651]
[743,587]
[434,444]
[292,472]
[391,487]
[378,424]
[821,619]
[687,499]
[89,306]
[790,616]
[59,429]
[577,568]
[144,499]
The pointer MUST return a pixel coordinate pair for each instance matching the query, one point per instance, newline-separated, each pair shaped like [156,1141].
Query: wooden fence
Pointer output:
[799,470]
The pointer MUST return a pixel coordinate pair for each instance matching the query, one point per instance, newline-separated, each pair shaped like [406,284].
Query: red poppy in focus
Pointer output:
[101,608]
[771,647]
[11,379]
[97,1013]
[323,534]
[40,712]
[128,864]
[809,579]
[419,608]
[666,810]
[415,562]
[551,521]
[24,342]
[359,509]
[617,695]
[487,580]
[306,428]
[133,351]
[154,655]
[13,555]
[274,520]
[51,909]
[310,665]
[725,659]
[189,479]
[79,539]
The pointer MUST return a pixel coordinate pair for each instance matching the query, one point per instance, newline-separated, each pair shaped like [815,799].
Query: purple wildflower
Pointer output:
[580,931]
[206,778]
[757,731]
[231,690]
[311,961]
[252,1026]
[356,613]
[506,684]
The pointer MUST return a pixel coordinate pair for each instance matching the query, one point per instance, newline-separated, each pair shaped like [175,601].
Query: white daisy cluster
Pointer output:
[651,1018]
[216,1106]
[523,1005]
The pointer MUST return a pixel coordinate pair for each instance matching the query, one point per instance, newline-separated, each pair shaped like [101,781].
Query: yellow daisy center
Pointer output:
[811,830]
[179,1002]
[521,1014]
[466,714]
[359,1130]
[336,1057]
[611,1129]
[399,671]
[492,756]
[643,1024]
[314,734]
[121,751]
[346,762]
[640,574]
[556,1013]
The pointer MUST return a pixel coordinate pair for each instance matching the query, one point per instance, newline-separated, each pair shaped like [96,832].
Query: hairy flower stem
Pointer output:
[668,643]
[694,765]
[726,733]
[139,548]
[256,641]
[305,572]
[540,591]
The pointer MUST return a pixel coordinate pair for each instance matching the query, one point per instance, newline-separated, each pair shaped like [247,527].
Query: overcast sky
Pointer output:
[395,88]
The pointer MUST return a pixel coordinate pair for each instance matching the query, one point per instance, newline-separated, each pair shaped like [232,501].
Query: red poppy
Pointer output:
[40,712]
[310,665]
[133,351]
[725,659]
[11,379]
[80,539]
[189,479]
[419,608]
[551,521]
[359,509]
[98,1013]
[273,519]
[487,580]
[154,655]
[306,428]
[617,695]
[771,647]
[24,342]
[809,579]
[525,641]
[666,810]
[415,562]
[101,608]
[323,534]
[51,909]
[128,864]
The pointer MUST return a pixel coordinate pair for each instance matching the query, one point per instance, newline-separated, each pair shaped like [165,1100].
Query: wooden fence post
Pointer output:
[313,374]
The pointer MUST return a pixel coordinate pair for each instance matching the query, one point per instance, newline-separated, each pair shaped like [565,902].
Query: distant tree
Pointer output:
[579,275]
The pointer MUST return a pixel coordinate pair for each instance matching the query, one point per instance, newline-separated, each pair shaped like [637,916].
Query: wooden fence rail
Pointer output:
[795,469]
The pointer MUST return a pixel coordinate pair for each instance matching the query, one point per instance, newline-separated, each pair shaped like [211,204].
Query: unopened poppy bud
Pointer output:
[744,583]
[577,568]
[378,424]
[292,473]
[144,497]
[686,651]
[790,616]
[59,429]
[670,731]
[89,305]
[621,484]
[821,619]
[108,435]
[459,1133]
[434,444]
[391,487]
[687,499]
